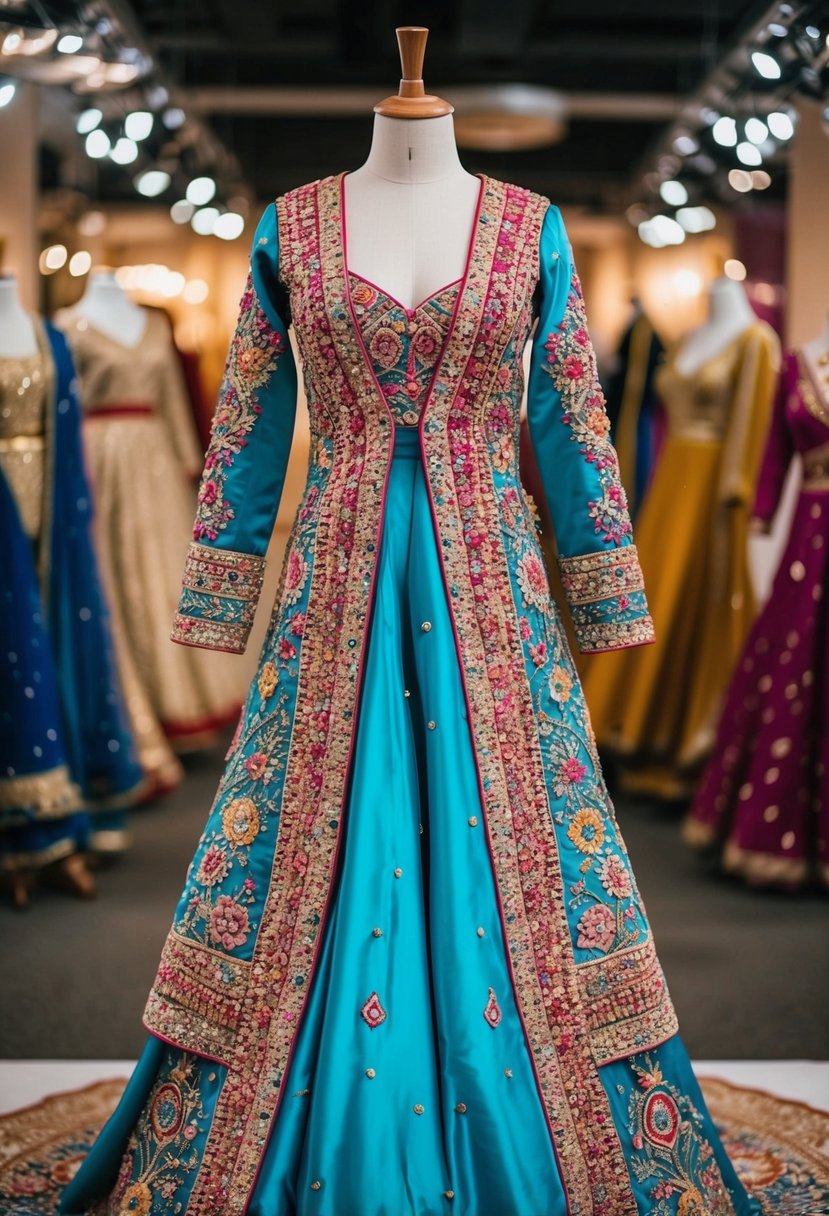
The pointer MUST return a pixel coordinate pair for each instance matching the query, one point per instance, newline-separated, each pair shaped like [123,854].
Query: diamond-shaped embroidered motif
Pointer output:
[373,1012]
[492,1013]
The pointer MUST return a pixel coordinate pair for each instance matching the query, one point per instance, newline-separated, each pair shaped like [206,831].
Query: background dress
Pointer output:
[765,792]
[67,761]
[656,710]
[410,972]
[142,450]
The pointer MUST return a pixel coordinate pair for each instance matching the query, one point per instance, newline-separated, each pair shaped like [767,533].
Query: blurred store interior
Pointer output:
[687,146]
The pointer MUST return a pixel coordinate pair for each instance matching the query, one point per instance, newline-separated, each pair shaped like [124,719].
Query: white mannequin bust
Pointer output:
[108,308]
[410,209]
[729,315]
[816,354]
[17,329]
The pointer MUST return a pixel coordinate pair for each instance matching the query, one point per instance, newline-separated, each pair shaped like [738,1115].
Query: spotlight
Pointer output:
[749,154]
[138,125]
[229,226]
[765,65]
[79,263]
[87,121]
[673,193]
[97,144]
[182,212]
[7,91]
[725,132]
[756,131]
[740,181]
[735,269]
[152,182]
[204,221]
[685,145]
[124,152]
[173,118]
[780,125]
[200,191]
[696,219]
[70,44]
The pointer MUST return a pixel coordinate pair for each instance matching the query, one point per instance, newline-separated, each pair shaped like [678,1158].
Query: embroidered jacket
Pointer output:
[240,957]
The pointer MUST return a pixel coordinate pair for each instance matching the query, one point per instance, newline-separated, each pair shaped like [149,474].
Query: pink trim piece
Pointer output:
[346,782]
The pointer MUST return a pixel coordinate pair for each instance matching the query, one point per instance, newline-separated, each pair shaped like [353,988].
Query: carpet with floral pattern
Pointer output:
[780,1148]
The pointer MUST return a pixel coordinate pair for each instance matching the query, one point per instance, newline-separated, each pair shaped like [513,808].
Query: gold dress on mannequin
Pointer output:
[143,452]
[656,708]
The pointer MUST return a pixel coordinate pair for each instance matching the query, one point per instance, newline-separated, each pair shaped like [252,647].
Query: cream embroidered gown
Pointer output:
[142,451]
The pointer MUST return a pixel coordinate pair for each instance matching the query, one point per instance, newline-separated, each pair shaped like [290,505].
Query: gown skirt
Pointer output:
[412,1106]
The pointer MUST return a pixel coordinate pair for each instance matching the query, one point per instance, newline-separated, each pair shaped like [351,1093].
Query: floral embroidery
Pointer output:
[404,345]
[268,679]
[165,1148]
[572,365]
[215,865]
[586,830]
[252,360]
[532,579]
[597,929]
[229,923]
[670,1149]
[386,348]
[240,820]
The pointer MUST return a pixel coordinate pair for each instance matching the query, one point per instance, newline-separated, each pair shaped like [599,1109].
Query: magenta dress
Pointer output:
[765,792]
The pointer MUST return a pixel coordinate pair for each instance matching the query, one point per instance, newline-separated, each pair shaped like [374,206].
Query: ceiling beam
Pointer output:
[345,102]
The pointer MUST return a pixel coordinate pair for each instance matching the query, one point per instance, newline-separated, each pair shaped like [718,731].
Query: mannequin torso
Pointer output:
[729,315]
[107,307]
[17,330]
[410,210]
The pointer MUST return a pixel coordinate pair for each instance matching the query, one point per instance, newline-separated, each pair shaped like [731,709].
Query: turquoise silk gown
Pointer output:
[410,972]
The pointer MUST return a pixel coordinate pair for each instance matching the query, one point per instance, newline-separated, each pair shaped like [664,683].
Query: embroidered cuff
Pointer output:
[218,600]
[607,601]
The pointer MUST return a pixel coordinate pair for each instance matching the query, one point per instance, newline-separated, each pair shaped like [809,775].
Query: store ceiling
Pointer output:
[593,47]
[626,67]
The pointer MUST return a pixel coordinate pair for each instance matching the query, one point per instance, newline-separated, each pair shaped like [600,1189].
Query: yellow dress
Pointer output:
[656,708]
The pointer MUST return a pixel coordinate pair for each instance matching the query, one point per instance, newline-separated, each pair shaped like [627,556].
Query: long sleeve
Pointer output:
[569,429]
[177,412]
[749,416]
[777,456]
[245,465]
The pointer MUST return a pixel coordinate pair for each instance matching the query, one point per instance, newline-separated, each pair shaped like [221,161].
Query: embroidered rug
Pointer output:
[780,1148]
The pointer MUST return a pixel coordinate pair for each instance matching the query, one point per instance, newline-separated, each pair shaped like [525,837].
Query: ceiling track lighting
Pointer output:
[728,138]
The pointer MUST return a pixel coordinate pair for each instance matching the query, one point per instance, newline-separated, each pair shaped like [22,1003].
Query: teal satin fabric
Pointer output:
[452,1103]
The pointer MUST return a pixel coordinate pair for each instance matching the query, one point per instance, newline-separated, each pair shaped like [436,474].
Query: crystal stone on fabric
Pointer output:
[403,344]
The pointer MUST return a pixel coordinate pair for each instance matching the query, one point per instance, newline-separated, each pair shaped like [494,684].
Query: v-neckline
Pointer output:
[410,312]
[470,251]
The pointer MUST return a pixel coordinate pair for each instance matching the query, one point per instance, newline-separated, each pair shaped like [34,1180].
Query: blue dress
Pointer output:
[412,1081]
[67,761]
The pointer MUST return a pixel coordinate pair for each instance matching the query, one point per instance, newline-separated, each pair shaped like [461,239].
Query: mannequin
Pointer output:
[816,356]
[729,315]
[107,307]
[17,331]
[410,210]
